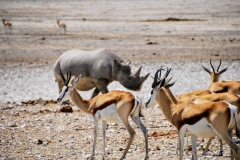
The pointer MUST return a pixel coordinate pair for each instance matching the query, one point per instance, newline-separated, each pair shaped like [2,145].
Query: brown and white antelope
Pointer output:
[7,25]
[184,97]
[201,96]
[201,120]
[114,106]
[217,86]
[214,78]
[231,98]
[62,26]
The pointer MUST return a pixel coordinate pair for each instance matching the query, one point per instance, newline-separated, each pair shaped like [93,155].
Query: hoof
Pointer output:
[90,157]
[220,153]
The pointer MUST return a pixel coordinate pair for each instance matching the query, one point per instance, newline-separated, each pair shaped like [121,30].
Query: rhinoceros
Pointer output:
[98,68]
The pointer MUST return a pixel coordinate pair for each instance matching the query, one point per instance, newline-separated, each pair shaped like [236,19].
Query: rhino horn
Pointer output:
[142,79]
[137,74]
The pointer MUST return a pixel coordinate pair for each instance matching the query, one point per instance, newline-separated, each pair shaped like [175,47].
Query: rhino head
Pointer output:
[122,73]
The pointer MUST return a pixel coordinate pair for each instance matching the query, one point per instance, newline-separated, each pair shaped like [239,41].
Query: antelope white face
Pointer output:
[64,95]
[158,82]
[68,87]
[151,100]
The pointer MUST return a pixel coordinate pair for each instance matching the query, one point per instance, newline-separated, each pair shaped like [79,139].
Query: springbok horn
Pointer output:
[137,74]
[212,65]
[219,65]
[167,73]
[160,74]
[163,80]
[76,80]
[223,70]
[156,78]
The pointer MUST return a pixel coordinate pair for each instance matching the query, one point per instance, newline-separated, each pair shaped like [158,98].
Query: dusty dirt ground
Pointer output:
[180,34]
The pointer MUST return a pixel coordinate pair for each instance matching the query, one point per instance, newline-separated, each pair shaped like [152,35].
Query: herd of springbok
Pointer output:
[8,26]
[204,113]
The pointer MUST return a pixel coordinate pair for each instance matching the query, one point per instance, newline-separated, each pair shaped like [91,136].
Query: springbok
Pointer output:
[114,106]
[98,69]
[217,86]
[225,86]
[214,78]
[203,120]
[231,98]
[184,97]
[62,26]
[202,96]
[7,25]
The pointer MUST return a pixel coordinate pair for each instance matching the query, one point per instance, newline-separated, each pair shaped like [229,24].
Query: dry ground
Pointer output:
[179,34]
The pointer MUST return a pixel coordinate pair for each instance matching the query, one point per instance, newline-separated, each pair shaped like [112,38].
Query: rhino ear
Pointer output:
[116,66]
[128,62]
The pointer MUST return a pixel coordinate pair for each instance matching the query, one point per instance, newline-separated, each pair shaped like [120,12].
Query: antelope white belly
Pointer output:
[109,114]
[202,129]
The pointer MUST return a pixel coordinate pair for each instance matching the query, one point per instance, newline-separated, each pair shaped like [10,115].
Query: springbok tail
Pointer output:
[237,126]
[234,115]
[137,107]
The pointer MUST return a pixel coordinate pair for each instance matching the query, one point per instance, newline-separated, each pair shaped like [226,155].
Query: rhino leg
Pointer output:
[101,86]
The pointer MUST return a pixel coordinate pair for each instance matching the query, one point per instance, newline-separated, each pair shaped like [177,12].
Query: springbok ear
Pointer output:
[72,80]
[161,84]
[224,70]
[75,80]
[207,70]
[170,84]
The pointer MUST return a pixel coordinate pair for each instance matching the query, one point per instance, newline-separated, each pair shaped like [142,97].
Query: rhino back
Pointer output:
[94,64]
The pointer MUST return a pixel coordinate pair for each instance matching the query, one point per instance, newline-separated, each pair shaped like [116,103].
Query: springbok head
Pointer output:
[157,84]
[215,75]
[122,72]
[69,85]
[58,20]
